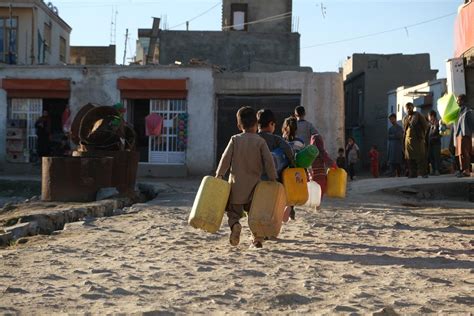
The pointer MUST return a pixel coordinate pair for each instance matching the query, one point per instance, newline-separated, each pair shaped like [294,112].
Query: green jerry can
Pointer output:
[210,204]
[305,157]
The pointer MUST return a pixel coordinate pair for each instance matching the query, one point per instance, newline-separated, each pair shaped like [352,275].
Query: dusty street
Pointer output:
[370,252]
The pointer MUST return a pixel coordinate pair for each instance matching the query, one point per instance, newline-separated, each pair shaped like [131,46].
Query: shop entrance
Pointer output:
[21,133]
[168,148]
[139,110]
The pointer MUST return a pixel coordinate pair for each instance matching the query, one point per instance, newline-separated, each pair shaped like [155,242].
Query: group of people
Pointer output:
[248,156]
[418,142]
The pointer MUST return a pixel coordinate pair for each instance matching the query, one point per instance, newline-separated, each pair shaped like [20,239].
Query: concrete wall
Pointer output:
[236,51]
[57,31]
[99,85]
[32,15]
[93,55]
[258,10]
[321,94]
[382,74]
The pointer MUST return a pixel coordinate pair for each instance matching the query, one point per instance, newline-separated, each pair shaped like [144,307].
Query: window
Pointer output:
[239,17]
[373,64]
[62,49]
[47,36]
[8,40]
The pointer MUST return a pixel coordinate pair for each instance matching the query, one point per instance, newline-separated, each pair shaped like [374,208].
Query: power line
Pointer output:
[102,4]
[381,32]
[197,16]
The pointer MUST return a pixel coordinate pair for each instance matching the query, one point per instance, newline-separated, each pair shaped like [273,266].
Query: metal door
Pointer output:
[281,105]
[165,149]
[29,110]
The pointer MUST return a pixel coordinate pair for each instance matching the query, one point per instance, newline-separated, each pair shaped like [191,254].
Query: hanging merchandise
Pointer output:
[66,119]
[121,110]
[182,131]
[448,108]
[154,124]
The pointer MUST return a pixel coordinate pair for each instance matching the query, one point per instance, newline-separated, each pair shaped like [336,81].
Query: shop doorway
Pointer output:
[168,148]
[139,110]
[21,132]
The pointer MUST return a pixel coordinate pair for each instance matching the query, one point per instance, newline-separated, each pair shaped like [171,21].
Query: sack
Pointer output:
[280,160]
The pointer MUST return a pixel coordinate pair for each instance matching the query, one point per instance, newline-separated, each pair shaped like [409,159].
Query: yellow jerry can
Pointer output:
[337,183]
[210,204]
[266,211]
[296,188]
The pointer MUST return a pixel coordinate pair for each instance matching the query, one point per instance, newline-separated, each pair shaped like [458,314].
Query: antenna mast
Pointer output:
[113,26]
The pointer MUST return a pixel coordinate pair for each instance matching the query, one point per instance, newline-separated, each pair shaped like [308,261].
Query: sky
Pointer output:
[400,26]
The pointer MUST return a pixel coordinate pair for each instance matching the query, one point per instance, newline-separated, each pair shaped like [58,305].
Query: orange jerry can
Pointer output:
[337,183]
[296,187]
[209,204]
[266,211]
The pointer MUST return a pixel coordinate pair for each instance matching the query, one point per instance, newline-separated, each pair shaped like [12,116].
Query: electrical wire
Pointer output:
[68,4]
[197,16]
[381,32]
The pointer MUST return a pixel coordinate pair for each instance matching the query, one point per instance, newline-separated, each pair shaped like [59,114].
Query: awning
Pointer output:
[152,88]
[37,88]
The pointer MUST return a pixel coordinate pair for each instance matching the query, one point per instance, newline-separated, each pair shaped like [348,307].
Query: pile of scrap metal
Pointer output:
[105,158]
[102,128]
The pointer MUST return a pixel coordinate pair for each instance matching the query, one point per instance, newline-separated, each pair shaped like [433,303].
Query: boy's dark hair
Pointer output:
[392,115]
[265,117]
[246,117]
[374,147]
[340,150]
[462,97]
[300,110]
[433,114]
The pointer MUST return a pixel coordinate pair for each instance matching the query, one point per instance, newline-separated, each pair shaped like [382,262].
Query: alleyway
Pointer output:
[371,252]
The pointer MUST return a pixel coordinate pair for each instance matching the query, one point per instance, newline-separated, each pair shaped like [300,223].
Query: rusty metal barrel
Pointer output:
[74,179]
[124,170]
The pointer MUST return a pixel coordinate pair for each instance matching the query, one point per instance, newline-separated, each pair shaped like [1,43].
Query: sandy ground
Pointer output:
[354,256]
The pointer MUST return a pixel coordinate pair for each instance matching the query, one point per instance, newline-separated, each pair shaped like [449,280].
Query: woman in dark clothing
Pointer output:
[434,144]
[43,132]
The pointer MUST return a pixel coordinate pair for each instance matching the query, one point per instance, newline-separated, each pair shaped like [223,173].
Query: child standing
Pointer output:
[266,128]
[374,161]
[305,129]
[353,154]
[341,159]
[289,129]
[247,156]
[321,163]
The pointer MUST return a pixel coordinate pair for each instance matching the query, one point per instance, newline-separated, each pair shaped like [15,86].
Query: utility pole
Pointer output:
[125,48]
[10,36]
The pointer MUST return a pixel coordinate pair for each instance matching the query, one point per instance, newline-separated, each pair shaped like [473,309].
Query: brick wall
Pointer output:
[93,55]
